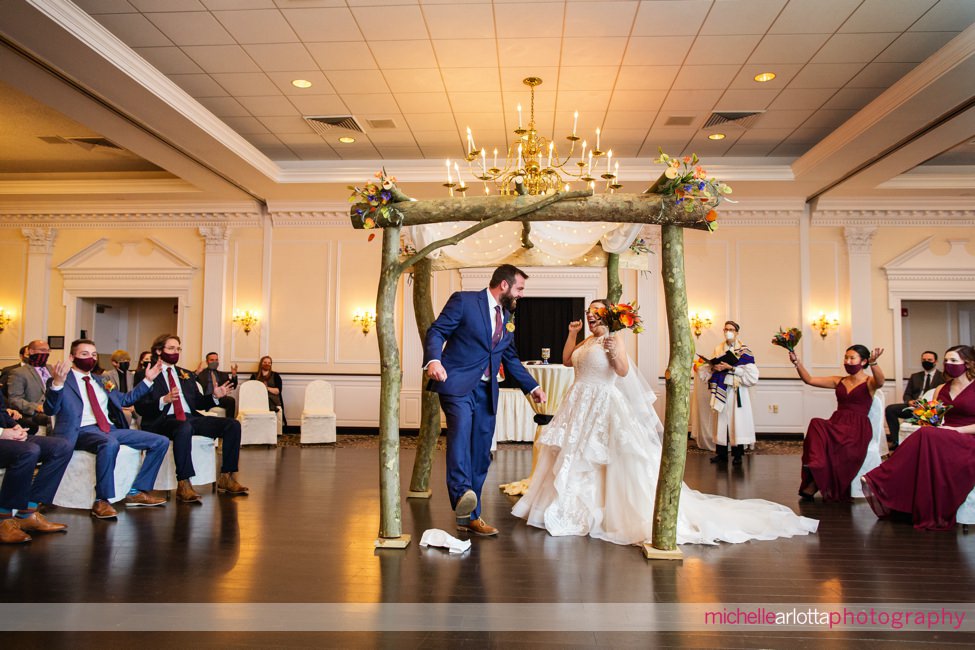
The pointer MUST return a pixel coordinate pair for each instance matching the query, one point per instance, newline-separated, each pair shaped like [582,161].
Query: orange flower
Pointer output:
[626,319]
[711,216]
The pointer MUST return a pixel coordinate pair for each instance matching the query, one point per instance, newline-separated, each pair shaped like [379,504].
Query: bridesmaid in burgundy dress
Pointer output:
[834,449]
[931,473]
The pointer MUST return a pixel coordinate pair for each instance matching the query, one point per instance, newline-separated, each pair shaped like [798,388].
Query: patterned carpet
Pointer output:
[371,441]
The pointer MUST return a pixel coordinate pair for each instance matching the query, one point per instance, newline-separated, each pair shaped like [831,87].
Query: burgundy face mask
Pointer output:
[852,368]
[85,365]
[38,359]
[169,357]
[954,370]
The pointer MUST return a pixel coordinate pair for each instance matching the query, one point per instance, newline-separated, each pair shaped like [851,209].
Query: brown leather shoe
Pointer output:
[227,482]
[479,527]
[37,523]
[10,533]
[102,509]
[143,499]
[186,494]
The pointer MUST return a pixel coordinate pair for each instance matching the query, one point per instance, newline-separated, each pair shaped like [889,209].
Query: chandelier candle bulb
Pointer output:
[609,158]
[483,161]
[519,117]
[495,158]
[448,172]
[551,148]
[597,139]
[575,122]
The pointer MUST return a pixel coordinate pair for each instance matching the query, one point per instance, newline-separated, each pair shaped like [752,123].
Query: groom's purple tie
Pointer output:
[497,326]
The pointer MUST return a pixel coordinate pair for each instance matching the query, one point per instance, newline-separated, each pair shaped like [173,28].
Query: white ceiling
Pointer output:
[435,67]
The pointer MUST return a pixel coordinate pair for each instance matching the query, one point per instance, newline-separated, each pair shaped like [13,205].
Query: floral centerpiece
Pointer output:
[688,182]
[928,413]
[621,316]
[787,339]
[374,203]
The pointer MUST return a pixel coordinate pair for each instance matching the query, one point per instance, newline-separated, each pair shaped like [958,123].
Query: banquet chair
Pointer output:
[318,415]
[258,424]
[204,455]
[877,444]
[77,488]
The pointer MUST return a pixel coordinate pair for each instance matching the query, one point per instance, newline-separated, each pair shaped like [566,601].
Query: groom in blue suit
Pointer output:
[462,352]
[89,417]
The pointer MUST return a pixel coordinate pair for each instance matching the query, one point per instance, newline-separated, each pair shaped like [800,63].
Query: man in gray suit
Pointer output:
[122,378]
[27,384]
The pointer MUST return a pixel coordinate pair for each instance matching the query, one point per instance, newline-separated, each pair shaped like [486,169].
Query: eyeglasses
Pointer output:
[170,348]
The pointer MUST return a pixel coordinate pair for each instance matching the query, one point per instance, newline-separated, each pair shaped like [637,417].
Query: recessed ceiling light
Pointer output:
[345,139]
[765,76]
[716,136]
[301,83]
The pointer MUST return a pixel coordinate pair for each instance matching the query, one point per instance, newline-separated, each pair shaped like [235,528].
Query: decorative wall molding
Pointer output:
[894,218]
[859,239]
[40,239]
[114,220]
[216,237]
[298,219]
[735,217]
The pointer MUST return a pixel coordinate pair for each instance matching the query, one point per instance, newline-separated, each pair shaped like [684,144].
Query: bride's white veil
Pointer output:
[640,397]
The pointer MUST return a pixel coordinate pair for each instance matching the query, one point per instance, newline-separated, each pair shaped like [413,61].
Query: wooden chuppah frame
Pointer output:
[580,206]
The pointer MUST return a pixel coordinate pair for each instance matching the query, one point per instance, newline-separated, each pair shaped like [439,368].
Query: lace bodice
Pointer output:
[592,364]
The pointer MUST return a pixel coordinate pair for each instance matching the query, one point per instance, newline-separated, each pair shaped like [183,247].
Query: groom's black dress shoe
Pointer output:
[719,459]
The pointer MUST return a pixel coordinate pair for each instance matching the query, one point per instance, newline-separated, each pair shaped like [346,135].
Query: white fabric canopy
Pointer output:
[564,241]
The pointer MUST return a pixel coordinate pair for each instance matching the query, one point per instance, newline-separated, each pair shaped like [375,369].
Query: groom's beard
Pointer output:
[508,301]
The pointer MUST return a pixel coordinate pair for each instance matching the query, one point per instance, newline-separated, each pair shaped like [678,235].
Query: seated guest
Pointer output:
[273,382]
[86,407]
[22,491]
[834,449]
[919,383]
[170,409]
[932,473]
[209,376]
[120,375]
[5,372]
[26,385]
[145,360]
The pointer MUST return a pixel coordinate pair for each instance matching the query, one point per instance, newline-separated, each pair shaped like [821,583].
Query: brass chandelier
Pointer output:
[532,164]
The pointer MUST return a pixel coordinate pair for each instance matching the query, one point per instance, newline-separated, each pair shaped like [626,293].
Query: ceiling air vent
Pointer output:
[679,120]
[327,125]
[381,124]
[744,119]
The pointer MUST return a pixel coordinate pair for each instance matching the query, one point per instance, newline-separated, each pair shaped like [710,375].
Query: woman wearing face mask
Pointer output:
[932,472]
[599,459]
[145,360]
[834,449]
[274,384]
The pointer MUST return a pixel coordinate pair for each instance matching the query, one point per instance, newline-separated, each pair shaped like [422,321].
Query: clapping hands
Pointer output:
[61,370]
[575,326]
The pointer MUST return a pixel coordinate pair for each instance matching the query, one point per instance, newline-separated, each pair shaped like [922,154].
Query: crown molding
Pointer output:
[894,218]
[86,29]
[103,216]
[933,177]
[99,186]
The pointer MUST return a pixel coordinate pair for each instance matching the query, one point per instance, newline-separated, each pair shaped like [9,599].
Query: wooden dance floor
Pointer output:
[306,536]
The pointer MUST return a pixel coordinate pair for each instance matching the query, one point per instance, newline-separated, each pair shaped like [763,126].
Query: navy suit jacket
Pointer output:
[148,406]
[460,339]
[68,406]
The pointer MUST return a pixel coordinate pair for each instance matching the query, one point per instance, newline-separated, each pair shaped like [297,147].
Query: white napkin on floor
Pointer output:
[437,537]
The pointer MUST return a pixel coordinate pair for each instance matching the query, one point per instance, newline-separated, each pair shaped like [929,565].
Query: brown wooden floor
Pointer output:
[306,535]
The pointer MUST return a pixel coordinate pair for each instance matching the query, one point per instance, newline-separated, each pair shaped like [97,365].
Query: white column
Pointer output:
[38,286]
[266,248]
[805,282]
[858,243]
[214,288]
[647,345]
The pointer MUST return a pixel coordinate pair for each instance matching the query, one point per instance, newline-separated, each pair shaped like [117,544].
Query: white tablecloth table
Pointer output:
[555,380]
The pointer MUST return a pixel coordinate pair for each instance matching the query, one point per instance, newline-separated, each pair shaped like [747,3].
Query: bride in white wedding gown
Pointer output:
[599,458]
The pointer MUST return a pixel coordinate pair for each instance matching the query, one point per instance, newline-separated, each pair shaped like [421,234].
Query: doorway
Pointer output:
[125,323]
[934,325]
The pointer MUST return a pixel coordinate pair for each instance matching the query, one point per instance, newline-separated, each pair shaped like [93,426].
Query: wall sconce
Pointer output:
[825,324]
[364,318]
[700,321]
[246,319]
[5,318]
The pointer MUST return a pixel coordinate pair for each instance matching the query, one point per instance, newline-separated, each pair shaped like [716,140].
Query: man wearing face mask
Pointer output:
[89,412]
[209,376]
[919,383]
[27,384]
[730,374]
[170,409]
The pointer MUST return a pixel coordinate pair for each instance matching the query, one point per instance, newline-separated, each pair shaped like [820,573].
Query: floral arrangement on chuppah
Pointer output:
[688,182]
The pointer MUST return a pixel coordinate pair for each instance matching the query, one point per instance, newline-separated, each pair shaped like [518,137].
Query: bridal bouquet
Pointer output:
[787,339]
[621,316]
[928,413]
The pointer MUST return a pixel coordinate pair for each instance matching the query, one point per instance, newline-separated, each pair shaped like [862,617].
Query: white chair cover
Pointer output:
[258,424]
[318,415]
[204,454]
[874,449]
[77,489]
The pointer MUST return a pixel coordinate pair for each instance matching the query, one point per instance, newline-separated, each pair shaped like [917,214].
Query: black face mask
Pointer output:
[123,366]
[145,364]
[927,365]
[38,359]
